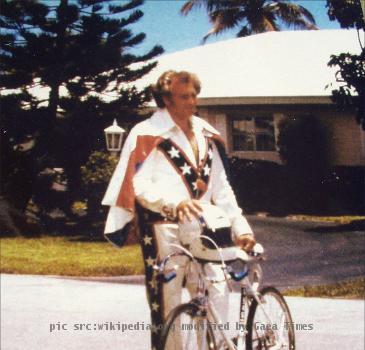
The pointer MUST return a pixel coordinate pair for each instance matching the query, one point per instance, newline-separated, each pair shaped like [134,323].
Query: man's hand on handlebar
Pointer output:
[246,242]
[188,208]
[191,207]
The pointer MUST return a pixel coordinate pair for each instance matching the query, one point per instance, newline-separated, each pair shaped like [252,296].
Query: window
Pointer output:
[253,134]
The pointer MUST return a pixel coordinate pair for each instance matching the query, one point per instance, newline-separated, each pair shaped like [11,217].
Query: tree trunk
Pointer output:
[14,223]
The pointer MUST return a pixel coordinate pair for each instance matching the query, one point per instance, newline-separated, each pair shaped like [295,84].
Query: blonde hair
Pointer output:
[163,86]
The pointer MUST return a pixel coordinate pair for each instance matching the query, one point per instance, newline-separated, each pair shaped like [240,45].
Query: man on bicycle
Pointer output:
[170,164]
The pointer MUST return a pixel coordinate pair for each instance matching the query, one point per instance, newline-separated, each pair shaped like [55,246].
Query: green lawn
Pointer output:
[345,219]
[62,256]
[354,289]
[69,257]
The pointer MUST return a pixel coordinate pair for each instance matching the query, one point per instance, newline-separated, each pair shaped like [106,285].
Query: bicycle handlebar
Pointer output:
[237,276]
[167,276]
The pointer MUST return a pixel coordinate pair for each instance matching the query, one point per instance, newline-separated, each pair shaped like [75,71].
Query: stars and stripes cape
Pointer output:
[141,141]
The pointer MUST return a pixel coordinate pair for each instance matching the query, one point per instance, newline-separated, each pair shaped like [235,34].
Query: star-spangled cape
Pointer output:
[142,139]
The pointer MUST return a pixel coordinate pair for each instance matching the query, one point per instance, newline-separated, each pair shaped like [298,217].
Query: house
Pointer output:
[249,84]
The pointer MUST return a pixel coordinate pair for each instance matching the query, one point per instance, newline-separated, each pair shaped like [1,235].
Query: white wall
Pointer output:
[347,139]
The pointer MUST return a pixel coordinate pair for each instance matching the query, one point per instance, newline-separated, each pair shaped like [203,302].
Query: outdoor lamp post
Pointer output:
[114,137]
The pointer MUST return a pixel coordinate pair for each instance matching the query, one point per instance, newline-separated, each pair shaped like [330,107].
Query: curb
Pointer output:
[133,279]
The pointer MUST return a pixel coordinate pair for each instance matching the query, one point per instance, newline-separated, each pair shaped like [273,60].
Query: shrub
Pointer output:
[302,144]
[98,169]
[258,185]
[262,186]
[95,175]
[345,190]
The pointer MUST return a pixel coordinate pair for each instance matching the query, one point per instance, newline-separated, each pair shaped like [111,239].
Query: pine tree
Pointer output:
[81,53]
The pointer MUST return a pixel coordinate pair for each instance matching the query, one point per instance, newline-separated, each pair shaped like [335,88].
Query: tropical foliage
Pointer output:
[351,67]
[95,175]
[252,16]
[347,12]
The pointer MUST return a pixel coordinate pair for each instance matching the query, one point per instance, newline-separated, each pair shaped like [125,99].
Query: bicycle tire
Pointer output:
[188,337]
[263,335]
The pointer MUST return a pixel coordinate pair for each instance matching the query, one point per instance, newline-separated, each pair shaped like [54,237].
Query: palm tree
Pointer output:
[252,16]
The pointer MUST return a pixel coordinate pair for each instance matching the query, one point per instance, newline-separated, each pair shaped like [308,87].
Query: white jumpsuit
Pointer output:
[159,187]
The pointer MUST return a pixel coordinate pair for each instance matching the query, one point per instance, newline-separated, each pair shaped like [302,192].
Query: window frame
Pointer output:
[241,116]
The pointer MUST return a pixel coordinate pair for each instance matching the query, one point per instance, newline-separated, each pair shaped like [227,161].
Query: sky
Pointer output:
[164,25]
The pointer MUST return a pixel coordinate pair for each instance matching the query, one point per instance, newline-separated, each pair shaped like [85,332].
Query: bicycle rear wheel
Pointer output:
[270,324]
[186,328]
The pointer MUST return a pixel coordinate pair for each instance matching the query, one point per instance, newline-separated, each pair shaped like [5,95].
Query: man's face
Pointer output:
[182,102]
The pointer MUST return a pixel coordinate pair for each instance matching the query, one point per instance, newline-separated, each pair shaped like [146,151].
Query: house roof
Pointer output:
[273,64]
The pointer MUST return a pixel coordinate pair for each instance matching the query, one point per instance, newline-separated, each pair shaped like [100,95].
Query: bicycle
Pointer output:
[268,324]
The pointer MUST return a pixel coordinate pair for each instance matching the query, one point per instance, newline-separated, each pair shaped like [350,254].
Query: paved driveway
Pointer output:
[300,252]
[42,313]
[303,253]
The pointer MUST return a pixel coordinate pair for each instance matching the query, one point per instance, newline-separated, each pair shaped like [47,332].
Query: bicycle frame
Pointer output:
[248,293]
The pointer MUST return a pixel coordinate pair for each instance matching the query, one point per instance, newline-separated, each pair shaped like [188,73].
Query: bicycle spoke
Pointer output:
[186,330]
[270,323]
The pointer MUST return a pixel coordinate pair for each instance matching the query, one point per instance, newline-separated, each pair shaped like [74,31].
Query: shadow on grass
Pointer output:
[78,231]
[356,225]
[75,230]
[89,239]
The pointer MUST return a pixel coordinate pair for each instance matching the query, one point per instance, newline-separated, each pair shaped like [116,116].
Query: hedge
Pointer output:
[263,186]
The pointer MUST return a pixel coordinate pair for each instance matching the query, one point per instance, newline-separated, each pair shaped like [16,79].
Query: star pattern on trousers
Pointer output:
[147,240]
[154,328]
[153,284]
[150,261]
[155,306]
[210,153]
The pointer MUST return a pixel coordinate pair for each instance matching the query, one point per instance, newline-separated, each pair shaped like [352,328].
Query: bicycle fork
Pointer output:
[242,330]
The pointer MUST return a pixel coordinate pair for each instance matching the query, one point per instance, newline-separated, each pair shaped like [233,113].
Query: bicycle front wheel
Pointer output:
[269,323]
[187,328]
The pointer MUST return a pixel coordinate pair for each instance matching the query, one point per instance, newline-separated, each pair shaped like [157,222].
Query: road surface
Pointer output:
[42,313]
[306,253]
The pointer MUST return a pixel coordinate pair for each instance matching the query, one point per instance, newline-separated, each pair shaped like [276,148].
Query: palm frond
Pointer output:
[295,15]
[252,16]
[210,5]
[223,20]
[245,31]
[307,14]
[269,25]
[189,5]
